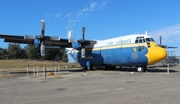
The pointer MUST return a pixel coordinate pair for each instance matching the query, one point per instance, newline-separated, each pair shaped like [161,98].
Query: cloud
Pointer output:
[82,13]
[68,15]
[58,15]
[102,5]
[170,34]
[93,6]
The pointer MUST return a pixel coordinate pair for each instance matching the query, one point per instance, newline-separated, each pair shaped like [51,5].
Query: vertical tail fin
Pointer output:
[70,32]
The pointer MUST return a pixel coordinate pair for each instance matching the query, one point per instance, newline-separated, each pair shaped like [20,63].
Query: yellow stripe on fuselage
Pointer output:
[154,54]
[119,46]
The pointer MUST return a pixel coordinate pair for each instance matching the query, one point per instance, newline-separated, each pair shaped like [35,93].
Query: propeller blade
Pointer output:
[54,38]
[42,27]
[164,46]
[29,37]
[53,47]
[171,47]
[42,49]
[160,40]
[83,52]
[83,32]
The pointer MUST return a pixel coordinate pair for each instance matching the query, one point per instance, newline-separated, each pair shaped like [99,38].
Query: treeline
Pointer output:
[15,51]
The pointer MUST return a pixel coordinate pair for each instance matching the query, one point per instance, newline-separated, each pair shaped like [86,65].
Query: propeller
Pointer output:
[42,38]
[164,46]
[83,43]
[160,40]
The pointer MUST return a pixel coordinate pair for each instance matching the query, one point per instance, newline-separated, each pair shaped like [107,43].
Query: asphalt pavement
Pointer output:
[93,87]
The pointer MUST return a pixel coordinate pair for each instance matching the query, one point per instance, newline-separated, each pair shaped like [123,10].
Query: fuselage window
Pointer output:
[140,40]
[136,41]
[144,40]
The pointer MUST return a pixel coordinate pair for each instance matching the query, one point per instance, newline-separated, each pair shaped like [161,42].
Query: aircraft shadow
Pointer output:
[149,69]
[162,70]
[63,70]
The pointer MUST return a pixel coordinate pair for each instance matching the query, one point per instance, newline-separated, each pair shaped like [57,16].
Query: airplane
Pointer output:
[136,50]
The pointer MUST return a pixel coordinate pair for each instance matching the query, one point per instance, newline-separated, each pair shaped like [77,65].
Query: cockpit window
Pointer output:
[149,40]
[140,40]
[152,40]
[143,40]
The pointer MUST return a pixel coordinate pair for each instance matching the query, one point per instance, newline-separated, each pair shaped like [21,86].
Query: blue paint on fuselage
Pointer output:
[125,56]
[129,56]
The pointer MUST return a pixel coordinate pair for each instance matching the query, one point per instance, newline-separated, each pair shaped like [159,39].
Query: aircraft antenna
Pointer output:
[146,33]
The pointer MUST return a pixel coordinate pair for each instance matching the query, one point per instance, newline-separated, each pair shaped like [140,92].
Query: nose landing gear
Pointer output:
[141,69]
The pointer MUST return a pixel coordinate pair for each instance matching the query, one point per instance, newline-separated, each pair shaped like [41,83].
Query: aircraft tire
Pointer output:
[110,67]
[84,68]
[90,67]
[140,69]
[145,69]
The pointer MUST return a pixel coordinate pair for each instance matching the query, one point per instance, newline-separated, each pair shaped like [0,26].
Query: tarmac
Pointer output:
[74,86]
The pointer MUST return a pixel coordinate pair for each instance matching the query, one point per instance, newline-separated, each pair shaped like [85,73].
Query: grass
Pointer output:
[23,64]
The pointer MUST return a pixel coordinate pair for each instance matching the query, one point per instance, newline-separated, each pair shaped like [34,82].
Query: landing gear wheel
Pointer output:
[84,68]
[145,69]
[110,68]
[140,69]
[90,67]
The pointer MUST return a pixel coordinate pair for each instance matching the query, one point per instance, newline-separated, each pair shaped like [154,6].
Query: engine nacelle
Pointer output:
[36,43]
[76,45]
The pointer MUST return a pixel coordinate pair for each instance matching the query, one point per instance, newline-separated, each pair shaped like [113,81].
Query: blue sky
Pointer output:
[103,18]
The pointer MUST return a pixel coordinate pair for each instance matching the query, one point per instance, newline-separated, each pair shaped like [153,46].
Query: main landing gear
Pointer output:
[141,69]
[110,67]
[88,68]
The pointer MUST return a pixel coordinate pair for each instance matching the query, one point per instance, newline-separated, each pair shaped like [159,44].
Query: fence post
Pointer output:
[167,68]
[55,70]
[58,69]
[45,72]
[34,72]
[27,71]
[37,71]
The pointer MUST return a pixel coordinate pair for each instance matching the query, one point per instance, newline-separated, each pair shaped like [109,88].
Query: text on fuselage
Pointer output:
[125,41]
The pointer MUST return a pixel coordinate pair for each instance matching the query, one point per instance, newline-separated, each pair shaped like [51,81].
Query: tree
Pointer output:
[32,52]
[64,56]
[56,55]
[51,54]
[14,51]
[3,53]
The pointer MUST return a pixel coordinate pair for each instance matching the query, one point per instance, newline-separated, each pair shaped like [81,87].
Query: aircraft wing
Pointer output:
[48,42]
[15,39]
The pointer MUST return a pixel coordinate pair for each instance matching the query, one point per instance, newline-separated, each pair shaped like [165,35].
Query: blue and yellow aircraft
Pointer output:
[139,50]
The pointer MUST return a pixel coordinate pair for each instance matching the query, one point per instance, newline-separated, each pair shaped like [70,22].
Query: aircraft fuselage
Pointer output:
[130,54]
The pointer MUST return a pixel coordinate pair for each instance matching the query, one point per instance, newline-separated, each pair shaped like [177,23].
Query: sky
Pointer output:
[103,19]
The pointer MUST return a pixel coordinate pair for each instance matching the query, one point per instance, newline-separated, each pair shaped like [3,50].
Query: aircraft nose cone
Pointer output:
[156,54]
